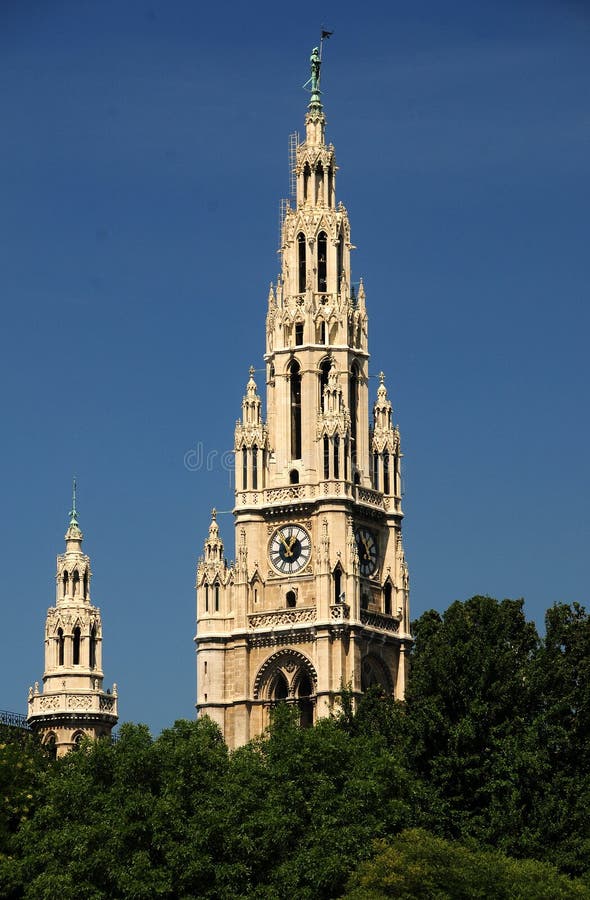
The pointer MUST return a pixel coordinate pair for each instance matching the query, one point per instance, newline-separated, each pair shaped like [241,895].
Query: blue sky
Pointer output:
[144,154]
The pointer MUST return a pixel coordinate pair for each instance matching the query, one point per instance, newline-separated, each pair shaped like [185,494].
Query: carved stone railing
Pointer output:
[289,492]
[339,612]
[379,620]
[373,498]
[282,617]
[66,702]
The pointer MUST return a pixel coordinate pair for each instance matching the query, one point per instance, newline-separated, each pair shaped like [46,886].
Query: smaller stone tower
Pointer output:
[72,703]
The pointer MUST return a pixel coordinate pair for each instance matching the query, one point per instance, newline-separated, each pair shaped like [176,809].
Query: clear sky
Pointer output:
[144,154]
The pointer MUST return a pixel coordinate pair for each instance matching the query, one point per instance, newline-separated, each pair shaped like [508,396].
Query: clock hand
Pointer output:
[366,546]
[288,551]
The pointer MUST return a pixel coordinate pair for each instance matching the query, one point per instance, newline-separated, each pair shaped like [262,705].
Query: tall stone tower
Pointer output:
[72,703]
[317,598]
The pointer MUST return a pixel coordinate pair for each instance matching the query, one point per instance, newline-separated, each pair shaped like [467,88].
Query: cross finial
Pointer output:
[214,514]
[252,370]
[382,377]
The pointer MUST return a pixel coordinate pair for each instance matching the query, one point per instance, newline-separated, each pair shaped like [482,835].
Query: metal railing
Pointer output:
[13,720]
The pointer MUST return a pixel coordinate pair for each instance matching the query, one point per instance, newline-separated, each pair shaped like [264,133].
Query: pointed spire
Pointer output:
[315,120]
[73,533]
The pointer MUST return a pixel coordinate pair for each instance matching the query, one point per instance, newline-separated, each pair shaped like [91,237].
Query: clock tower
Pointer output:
[317,599]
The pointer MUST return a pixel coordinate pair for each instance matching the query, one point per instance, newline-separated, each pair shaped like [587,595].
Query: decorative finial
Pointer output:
[214,514]
[382,377]
[73,512]
[252,370]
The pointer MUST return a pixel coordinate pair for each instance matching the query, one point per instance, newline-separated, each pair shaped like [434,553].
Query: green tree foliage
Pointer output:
[417,864]
[490,752]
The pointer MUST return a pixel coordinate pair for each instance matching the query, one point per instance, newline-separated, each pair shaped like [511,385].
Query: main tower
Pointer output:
[317,599]
[72,703]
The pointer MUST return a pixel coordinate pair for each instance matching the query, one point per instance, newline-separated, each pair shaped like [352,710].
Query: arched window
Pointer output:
[336,456]
[298,334]
[294,476]
[353,388]
[376,471]
[254,468]
[387,598]
[301,267]
[76,646]
[340,264]
[386,472]
[295,385]
[280,690]
[346,459]
[305,702]
[324,373]
[322,261]
[330,186]
[93,647]
[77,738]
[50,745]
[85,584]
[244,469]
[216,596]
[319,185]
[206,598]
[326,456]
[60,646]
[75,583]
[291,599]
[306,178]
[337,581]
[321,332]
[65,583]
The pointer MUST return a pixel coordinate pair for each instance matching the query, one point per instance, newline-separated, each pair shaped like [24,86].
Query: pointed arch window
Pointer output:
[65,580]
[326,456]
[294,476]
[298,334]
[93,647]
[244,469]
[331,186]
[346,459]
[60,646]
[75,583]
[340,263]
[387,598]
[336,456]
[206,598]
[322,261]
[337,584]
[85,585]
[291,599]
[295,402]
[306,180]
[254,468]
[386,480]
[77,639]
[216,596]
[376,471]
[353,390]
[280,690]
[324,373]
[301,264]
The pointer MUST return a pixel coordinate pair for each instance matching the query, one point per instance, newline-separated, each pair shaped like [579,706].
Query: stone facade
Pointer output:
[317,598]
[72,703]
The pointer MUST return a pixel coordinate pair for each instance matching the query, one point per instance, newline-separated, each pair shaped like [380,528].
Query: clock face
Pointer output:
[367,548]
[290,549]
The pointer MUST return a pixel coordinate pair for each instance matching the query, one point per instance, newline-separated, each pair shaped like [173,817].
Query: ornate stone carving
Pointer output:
[379,620]
[282,617]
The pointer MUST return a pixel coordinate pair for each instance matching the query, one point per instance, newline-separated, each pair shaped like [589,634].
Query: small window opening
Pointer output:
[206,598]
[337,578]
[326,456]
[93,647]
[295,379]
[65,583]
[254,468]
[60,646]
[386,473]
[244,469]
[353,388]
[51,745]
[216,597]
[294,476]
[291,599]
[387,598]
[301,261]
[298,334]
[85,585]
[205,672]
[322,332]
[322,261]
[324,373]
[336,456]
[75,583]
[376,471]
[346,459]
[340,259]
[76,647]
[306,178]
